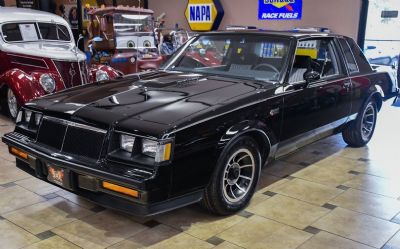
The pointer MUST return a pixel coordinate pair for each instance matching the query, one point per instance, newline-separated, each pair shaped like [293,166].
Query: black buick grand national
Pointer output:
[201,128]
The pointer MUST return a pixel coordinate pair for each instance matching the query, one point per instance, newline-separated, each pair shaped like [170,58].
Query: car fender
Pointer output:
[112,73]
[258,130]
[23,85]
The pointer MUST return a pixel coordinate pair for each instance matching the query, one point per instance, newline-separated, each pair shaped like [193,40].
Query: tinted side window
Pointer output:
[350,60]
[63,33]
[362,62]
[48,31]
[315,54]
[11,32]
[15,32]
[54,32]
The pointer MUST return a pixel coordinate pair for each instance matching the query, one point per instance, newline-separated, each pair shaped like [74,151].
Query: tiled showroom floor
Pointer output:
[324,196]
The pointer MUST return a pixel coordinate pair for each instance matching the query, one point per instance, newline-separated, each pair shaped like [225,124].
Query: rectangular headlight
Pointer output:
[127,142]
[28,119]
[160,151]
[19,117]
[149,147]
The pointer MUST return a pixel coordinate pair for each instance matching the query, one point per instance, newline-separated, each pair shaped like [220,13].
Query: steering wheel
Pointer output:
[274,69]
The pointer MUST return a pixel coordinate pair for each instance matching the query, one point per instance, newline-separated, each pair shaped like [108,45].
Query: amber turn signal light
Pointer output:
[18,153]
[120,189]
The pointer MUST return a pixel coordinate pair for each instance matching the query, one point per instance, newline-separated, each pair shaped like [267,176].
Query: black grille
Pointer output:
[70,73]
[51,133]
[71,138]
[83,142]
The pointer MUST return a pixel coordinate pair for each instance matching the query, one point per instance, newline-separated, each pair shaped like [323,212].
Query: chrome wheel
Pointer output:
[238,175]
[368,122]
[12,104]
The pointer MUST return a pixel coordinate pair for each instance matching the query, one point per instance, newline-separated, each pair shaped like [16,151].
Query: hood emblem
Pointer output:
[72,73]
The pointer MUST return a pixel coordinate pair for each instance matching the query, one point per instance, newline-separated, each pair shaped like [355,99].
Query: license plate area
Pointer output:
[59,175]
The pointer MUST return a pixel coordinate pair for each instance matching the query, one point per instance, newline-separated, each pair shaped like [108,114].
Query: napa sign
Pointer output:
[280,9]
[204,15]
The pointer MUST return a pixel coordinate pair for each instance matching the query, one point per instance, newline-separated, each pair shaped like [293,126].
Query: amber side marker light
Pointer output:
[18,153]
[120,189]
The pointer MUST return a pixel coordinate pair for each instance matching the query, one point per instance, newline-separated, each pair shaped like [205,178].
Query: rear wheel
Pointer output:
[235,178]
[360,131]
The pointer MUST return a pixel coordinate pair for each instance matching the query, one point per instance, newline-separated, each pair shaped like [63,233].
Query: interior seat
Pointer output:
[301,65]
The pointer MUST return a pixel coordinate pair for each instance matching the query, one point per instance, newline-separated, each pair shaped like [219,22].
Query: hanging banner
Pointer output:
[30,4]
[280,9]
[204,15]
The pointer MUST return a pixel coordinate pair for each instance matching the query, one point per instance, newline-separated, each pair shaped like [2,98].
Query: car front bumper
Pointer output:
[87,181]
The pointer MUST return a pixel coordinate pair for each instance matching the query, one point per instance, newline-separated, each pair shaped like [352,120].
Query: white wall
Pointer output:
[341,16]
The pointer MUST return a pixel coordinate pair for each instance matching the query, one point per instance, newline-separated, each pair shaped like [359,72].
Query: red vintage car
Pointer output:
[38,56]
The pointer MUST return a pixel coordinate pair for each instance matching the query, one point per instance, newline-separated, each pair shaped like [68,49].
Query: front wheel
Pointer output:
[360,131]
[9,103]
[235,178]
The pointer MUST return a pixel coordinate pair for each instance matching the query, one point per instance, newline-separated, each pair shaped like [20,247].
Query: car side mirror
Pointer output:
[311,76]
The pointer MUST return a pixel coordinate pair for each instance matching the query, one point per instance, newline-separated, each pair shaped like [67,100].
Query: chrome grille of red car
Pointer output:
[70,72]
[71,138]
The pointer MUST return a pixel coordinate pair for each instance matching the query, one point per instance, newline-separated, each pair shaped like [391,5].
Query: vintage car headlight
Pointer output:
[146,44]
[127,143]
[102,75]
[160,151]
[130,44]
[48,83]
[133,60]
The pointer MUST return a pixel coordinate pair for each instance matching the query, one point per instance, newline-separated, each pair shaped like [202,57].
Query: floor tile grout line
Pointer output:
[364,190]
[75,202]
[75,219]
[359,242]
[129,237]
[14,210]
[398,231]
[313,235]
[244,219]
[15,182]
[21,228]
[307,202]
[323,183]
[31,190]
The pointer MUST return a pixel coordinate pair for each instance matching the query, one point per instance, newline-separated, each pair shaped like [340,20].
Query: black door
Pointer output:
[314,110]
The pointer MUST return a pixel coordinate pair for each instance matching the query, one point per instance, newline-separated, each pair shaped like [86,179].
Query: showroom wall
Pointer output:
[341,16]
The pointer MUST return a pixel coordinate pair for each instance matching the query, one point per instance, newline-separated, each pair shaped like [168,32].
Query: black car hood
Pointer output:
[163,98]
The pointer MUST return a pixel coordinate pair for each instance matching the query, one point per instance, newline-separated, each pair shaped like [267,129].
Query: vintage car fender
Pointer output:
[24,86]
[112,73]
[258,130]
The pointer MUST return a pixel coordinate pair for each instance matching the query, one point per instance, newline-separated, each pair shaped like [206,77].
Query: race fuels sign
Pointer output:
[204,15]
[280,9]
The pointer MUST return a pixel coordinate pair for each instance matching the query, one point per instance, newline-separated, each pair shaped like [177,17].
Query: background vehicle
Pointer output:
[38,56]
[124,38]
[195,131]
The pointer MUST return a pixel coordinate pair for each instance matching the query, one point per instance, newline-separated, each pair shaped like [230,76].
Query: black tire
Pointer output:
[5,108]
[233,163]
[357,134]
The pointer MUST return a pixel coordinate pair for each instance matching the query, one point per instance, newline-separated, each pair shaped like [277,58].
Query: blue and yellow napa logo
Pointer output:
[204,15]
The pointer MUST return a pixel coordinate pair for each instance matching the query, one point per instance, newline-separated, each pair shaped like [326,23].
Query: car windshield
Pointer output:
[134,31]
[128,23]
[246,56]
[29,32]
